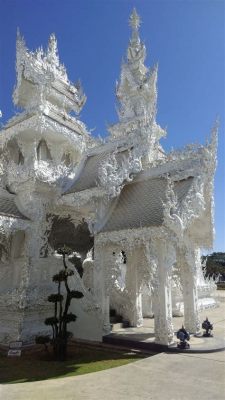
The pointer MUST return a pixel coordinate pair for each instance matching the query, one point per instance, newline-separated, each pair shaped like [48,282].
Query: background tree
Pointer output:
[214,264]
[62,317]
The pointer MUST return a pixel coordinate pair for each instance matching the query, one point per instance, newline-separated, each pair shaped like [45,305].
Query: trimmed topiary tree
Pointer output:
[62,317]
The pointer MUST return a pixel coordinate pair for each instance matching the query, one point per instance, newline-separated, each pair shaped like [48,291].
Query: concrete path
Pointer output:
[161,377]
[165,376]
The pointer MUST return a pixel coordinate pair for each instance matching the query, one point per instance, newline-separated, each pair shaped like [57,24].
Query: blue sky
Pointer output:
[186,38]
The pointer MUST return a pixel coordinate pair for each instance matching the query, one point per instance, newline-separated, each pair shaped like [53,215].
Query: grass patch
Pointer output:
[35,366]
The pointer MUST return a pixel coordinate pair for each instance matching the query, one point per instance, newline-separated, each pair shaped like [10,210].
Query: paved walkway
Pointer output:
[161,377]
[165,376]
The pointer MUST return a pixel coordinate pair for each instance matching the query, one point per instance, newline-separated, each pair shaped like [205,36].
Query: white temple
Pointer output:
[135,216]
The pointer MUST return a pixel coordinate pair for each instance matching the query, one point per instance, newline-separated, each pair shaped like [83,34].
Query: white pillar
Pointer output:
[147,306]
[162,303]
[100,284]
[187,259]
[149,270]
[133,307]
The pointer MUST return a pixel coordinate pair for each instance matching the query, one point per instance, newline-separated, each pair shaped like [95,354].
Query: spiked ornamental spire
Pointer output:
[136,91]
[52,51]
[136,94]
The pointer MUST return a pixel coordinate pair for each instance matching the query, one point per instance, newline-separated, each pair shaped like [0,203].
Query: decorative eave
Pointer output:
[133,237]
[194,221]
[44,123]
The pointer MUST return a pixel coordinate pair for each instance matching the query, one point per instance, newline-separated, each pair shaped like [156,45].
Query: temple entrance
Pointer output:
[76,237]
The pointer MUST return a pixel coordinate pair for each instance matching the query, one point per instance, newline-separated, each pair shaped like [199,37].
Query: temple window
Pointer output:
[14,152]
[43,153]
[21,158]
[66,159]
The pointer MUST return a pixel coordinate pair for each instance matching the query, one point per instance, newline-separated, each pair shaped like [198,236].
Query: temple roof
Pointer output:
[41,77]
[52,122]
[8,207]
[89,176]
[140,204]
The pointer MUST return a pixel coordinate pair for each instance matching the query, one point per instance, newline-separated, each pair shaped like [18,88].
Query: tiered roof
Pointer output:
[8,207]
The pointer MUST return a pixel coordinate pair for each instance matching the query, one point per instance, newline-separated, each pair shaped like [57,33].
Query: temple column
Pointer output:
[162,302]
[133,307]
[149,270]
[147,306]
[101,283]
[187,261]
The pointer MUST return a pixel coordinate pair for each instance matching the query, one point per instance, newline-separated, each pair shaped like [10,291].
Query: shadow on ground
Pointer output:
[39,365]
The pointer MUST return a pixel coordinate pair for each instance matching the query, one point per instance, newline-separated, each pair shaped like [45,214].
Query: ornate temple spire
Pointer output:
[133,75]
[135,86]
[136,90]
[52,50]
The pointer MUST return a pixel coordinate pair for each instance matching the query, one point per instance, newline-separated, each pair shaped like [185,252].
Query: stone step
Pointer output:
[112,339]
[121,324]
[116,326]
[206,346]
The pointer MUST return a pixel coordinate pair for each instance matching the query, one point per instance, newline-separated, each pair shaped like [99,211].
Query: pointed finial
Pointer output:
[52,43]
[52,51]
[18,35]
[20,42]
[214,133]
[216,124]
[134,20]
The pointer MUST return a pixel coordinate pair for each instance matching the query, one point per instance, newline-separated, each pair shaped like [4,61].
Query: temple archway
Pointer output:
[77,237]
